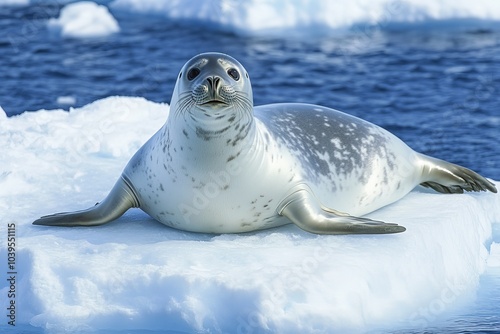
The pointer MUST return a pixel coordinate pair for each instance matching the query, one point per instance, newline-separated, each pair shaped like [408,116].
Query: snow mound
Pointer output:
[85,19]
[306,16]
[135,273]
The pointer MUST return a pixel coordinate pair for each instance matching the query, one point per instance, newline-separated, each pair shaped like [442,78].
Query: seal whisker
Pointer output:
[183,104]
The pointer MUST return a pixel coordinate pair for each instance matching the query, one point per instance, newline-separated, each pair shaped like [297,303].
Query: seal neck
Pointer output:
[209,140]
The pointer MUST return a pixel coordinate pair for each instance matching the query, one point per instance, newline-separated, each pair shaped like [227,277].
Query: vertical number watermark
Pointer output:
[11,273]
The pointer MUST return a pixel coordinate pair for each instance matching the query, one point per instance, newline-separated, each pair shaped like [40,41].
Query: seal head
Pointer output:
[210,87]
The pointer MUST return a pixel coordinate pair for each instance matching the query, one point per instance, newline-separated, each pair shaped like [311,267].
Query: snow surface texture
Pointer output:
[85,19]
[302,16]
[135,273]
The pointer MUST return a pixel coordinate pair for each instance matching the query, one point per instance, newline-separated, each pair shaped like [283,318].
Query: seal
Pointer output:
[220,165]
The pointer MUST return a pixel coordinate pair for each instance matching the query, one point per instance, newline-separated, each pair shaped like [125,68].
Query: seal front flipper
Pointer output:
[121,198]
[303,210]
[448,178]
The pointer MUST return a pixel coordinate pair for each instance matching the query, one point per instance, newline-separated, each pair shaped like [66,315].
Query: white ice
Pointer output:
[302,16]
[135,273]
[66,100]
[83,20]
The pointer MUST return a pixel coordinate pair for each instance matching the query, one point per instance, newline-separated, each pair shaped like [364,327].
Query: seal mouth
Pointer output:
[214,103]
[214,107]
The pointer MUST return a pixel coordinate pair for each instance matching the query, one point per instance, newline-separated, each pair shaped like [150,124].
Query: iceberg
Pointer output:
[298,17]
[83,20]
[135,273]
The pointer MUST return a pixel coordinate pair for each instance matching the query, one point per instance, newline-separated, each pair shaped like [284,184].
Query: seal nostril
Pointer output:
[210,82]
[213,82]
[216,82]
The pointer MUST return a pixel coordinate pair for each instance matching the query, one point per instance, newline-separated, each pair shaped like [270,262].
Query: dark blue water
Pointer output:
[437,89]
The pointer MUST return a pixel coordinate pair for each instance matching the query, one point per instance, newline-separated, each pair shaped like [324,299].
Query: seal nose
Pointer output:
[214,83]
[213,89]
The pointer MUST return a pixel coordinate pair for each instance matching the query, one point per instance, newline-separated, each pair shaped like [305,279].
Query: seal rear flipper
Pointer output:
[121,198]
[303,210]
[448,178]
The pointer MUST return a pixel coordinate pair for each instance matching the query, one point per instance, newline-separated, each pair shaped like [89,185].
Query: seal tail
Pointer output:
[121,198]
[449,178]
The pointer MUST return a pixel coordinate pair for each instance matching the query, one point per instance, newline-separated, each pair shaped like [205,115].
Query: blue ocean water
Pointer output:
[436,88]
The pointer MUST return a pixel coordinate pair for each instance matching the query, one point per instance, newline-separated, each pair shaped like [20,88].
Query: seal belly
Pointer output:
[221,196]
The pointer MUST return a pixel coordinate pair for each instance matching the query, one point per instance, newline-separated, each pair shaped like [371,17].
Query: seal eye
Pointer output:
[193,73]
[233,73]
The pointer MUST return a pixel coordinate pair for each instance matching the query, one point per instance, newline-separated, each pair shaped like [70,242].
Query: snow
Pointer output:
[135,273]
[85,19]
[303,16]
[494,258]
